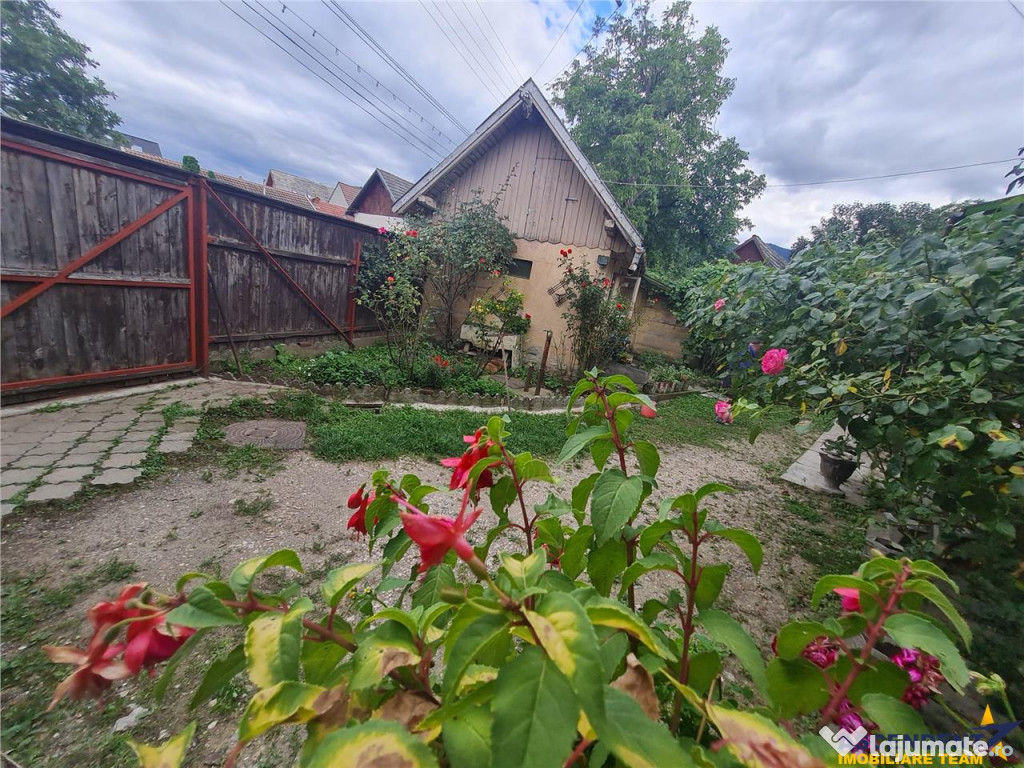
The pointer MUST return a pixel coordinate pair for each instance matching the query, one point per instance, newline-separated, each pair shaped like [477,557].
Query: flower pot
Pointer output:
[836,469]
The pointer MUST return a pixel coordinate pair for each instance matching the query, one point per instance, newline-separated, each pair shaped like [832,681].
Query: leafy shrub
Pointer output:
[548,660]
[598,322]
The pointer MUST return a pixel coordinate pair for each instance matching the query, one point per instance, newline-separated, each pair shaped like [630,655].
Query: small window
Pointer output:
[520,268]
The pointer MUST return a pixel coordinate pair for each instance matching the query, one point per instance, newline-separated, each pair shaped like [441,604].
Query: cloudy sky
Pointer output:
[824,90]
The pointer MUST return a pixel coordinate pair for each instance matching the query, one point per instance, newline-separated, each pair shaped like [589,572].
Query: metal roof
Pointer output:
[491,131]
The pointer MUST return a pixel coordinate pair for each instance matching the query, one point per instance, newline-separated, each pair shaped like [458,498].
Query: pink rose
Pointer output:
[382,231]
[774,361]
[719,304]
[723,412]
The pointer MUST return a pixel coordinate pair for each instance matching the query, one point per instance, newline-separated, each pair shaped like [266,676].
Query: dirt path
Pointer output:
[195,519]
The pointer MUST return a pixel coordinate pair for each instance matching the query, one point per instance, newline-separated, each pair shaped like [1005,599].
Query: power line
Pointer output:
[483,12]
[482,42]
[813,183]
[325,81]
[499,86]
[598,29]
[363,70]
[321,59]
[1018,10]
[558,39]
[388,59]
[458,50]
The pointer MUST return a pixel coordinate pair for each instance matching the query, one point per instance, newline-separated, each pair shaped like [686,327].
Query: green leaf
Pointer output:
[912,631]
[659,561]
[286,702]
[613,503]
[168,674]
[486,632]
[387,648]
[221,672]
[654,533]
[483,550]
[892,715]
[828,583]
[523,571]
[647,457]
[533,469]
[794,637]
[724,629]
[581,495]
[635,739]
[604,612]
[931,592]
[980,395]
[929,568]
[712,577]
[535,713]
[272,645]
[370,744]
[583,386]
[241,578]
[600,450]
[704,668]
[568,638]
[502,493]
[746,541]
[605,564]
[438,578]
[796,686]
[881,677]
[580,440]
[203,609]
[620,380]
[613,645]
[711,488]
[340,581]
[185,578]
[467,738]
[320,663]
[552,507]
[170,754]
[574,555]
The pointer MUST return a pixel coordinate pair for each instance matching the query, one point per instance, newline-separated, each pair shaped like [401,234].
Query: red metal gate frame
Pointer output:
[197,353]
[287,276]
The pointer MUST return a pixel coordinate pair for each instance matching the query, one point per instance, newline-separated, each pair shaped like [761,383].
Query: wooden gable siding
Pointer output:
[376,201]
[535,202]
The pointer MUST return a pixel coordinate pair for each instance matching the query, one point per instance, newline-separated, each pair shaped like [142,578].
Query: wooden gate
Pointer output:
[98,271]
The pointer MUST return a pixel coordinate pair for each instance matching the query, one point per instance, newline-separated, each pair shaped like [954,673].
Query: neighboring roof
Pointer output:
[304,186]
[528,94]
[784,253]
[147,146]
[394,185]
[347,193]
[768,255]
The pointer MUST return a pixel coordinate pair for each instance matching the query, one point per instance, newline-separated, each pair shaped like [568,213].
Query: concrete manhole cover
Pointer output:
[267,433]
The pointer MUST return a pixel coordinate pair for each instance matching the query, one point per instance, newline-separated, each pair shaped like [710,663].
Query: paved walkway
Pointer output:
[48,452]
[806,472]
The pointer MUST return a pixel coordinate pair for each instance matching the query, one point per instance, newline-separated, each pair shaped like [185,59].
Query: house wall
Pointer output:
[747,252]
[547,199]
[377,200]
[660,330]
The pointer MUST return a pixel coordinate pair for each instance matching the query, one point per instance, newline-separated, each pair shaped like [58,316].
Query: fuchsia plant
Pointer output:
[540,652]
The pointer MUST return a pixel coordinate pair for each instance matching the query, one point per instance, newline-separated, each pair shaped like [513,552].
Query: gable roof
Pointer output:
[304,186]
[394,185]
[345,192]
[530,96]
[767,253]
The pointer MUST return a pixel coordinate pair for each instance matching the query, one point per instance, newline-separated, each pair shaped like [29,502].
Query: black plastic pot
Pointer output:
[836,469]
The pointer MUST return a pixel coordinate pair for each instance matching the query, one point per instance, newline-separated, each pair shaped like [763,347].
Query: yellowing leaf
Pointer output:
[272,644]
[887,377]
[841,348]
[998,435]
[170,754]
[852,389]
[1017,469]
[759,743]
[287,702]
[408,708]
[638,683]
[371,745]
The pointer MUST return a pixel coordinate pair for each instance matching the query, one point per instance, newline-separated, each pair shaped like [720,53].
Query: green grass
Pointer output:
[255,507]
[251,459]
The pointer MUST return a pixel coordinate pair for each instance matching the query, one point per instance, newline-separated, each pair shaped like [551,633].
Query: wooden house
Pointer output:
[374,204]
[551,198]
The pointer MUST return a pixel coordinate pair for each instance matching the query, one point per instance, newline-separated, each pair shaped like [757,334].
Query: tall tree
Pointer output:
[45,79]
[643,109]
[852,224]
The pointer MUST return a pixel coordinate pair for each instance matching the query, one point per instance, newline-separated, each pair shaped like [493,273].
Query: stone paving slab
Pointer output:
[67,474]
[806,473]
[123,460]
[10,490]
[55,492]
[117,477]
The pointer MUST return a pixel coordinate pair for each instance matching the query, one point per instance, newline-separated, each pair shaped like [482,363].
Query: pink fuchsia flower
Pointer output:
[723,412]
[95,670]
[435,535]
[848,718]
[647,412]
[151,641]
[719,304]
[924,673]
[774,361]
[850,599]
[821,652]
[462,465]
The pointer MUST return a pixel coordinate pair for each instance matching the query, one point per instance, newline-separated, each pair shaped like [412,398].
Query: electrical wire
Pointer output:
[390,60]
[415,130]
[458,50]
[597,30]
[504,75]
[519,73]
[499,87]
[339,51]
[325,81]
[558,39]
[813,183]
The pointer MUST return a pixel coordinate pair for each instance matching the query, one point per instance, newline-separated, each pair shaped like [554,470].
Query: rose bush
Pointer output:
[541,657]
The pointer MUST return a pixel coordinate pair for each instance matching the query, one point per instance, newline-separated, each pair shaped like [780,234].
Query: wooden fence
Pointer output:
[114,266]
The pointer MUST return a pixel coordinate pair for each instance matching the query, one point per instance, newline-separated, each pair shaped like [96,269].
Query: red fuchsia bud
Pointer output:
[356,499]
[647,412]
[850,598]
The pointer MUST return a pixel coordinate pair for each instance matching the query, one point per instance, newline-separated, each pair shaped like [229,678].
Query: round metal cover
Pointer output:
[267,433]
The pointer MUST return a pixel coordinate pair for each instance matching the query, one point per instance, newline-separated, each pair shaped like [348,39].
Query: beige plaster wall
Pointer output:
[660,331]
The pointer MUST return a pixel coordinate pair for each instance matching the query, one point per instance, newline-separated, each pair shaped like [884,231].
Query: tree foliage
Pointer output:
[643,110]
[852,224]
[45,78]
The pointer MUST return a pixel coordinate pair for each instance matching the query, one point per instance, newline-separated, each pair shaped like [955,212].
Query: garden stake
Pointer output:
[543,362]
